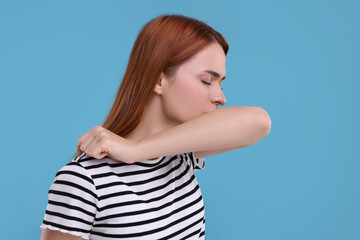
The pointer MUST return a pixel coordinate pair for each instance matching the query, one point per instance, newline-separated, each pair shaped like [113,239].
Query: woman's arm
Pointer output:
[212,133]
[209,134]
[47,234]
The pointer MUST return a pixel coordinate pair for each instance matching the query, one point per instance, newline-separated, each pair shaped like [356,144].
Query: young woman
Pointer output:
[133,177]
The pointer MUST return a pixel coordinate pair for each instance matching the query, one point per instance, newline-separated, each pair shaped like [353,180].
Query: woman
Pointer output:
[132,177]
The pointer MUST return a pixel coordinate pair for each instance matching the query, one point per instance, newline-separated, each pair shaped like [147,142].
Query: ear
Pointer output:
[160,85]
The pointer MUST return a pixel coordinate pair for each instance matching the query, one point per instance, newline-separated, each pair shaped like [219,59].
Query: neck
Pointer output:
[154,120]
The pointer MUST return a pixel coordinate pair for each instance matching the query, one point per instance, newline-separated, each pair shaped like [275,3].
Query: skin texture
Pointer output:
[214,132]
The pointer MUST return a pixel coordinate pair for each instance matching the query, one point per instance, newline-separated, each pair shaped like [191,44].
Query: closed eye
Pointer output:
[206,82]
[209,83]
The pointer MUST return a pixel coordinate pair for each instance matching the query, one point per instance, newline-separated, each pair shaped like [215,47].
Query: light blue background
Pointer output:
[62,61]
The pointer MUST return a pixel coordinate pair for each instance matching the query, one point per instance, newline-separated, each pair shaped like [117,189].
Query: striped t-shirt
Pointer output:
[105,199]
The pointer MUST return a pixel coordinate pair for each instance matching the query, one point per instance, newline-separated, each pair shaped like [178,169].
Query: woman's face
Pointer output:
[195,88]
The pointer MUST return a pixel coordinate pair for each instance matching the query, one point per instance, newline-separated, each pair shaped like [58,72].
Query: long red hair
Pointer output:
[162,45]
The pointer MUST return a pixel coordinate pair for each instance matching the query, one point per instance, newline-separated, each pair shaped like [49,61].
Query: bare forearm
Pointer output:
[229,127]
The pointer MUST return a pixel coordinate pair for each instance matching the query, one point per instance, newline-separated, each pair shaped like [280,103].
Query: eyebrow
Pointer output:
[215,74]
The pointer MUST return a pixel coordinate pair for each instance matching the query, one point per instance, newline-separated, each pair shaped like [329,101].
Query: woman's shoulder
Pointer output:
[75,172]
[93,168]
[90,162]
[96,168]
[78,174]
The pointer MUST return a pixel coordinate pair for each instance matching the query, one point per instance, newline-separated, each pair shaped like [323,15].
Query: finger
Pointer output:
[87,138]
[87,146]
[103,154]
[83,137]
[86,135]
[78,148]
[95,148]
[100,148]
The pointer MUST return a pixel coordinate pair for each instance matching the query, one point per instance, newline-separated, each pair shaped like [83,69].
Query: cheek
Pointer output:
[190,95]
[191,101]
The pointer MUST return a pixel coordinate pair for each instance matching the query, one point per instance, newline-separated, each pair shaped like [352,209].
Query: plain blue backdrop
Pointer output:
[61,63]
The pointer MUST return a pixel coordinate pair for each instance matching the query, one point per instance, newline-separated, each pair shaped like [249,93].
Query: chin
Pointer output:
[212,110]
[185,119]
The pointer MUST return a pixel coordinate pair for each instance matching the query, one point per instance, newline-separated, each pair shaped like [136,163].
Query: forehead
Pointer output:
[210,58]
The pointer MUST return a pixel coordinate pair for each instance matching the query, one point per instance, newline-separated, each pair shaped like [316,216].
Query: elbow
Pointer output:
[264,120]
[254,125]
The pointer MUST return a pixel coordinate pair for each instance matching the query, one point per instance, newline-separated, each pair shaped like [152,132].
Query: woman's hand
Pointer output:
[100,142]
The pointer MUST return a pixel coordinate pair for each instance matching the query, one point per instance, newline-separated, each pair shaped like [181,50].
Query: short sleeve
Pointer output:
[195,163]
[72,202]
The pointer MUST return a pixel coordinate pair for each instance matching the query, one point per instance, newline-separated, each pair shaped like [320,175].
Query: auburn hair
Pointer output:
[162,45]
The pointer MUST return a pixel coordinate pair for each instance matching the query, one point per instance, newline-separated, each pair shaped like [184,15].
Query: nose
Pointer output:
[218,97]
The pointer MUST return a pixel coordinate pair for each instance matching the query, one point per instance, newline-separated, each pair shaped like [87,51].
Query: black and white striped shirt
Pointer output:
[105,199]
